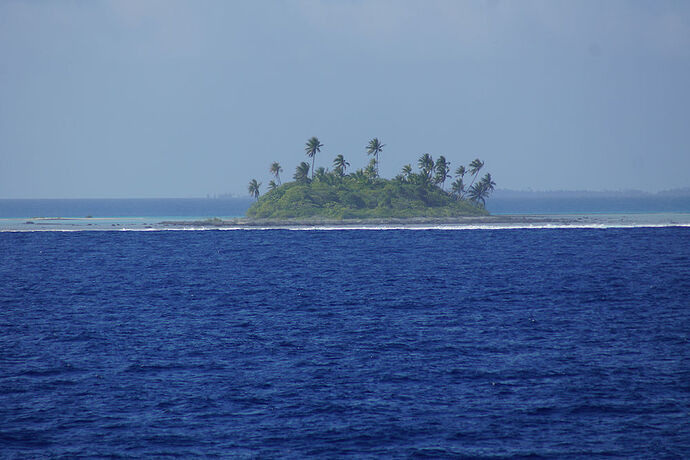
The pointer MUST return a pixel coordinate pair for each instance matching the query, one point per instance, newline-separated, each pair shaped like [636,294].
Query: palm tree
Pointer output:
[370,170]
[488,182]
[426,165]
[458,187]
[272,185]
[373,148]
[302,173]
[479,192]
[254,188]
[321,173]
[442,170]
[407,171]
[276,170]
[360,176]
[340,165]
[475,167]
[313,147]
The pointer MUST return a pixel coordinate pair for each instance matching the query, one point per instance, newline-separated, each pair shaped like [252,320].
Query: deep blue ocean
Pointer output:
[522,343]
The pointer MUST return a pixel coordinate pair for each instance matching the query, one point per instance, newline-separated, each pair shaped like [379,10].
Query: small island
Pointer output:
[363,194]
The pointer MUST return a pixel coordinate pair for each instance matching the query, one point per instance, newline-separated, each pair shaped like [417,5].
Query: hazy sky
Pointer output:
[186,98]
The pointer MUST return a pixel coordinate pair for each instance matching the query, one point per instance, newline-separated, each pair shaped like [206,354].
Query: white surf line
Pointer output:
[449,227]
[416,228]
[478,227]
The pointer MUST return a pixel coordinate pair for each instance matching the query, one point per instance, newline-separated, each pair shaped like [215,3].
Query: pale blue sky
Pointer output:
[168,98]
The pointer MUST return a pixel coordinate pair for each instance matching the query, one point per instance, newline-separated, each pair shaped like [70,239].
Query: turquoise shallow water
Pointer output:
[196,223]
[142,207]
[147,214]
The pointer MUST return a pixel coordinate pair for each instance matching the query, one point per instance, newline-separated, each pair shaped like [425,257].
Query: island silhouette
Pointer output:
[337,194]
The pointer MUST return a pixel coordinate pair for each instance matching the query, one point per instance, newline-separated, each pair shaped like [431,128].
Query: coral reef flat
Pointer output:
[492,221]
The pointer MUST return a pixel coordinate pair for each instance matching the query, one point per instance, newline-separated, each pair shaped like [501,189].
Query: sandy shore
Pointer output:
[375,222]
[496,221]
[240,223]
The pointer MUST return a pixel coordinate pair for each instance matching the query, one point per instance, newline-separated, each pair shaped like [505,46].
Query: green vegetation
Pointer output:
[363,194]
[340,165]
[254,188]
[374,148]
[312,147]
[213,221]
[276,169]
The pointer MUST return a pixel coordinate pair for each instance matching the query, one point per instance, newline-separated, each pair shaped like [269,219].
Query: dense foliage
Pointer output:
[363,194]
[333,196]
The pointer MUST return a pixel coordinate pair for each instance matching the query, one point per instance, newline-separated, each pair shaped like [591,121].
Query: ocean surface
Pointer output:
[449,343]
[155,214]
[505,202]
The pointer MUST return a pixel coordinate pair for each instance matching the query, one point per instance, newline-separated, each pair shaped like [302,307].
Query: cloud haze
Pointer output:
[180,98]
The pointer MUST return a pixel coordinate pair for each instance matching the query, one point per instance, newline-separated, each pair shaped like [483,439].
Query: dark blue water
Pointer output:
[568,343]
